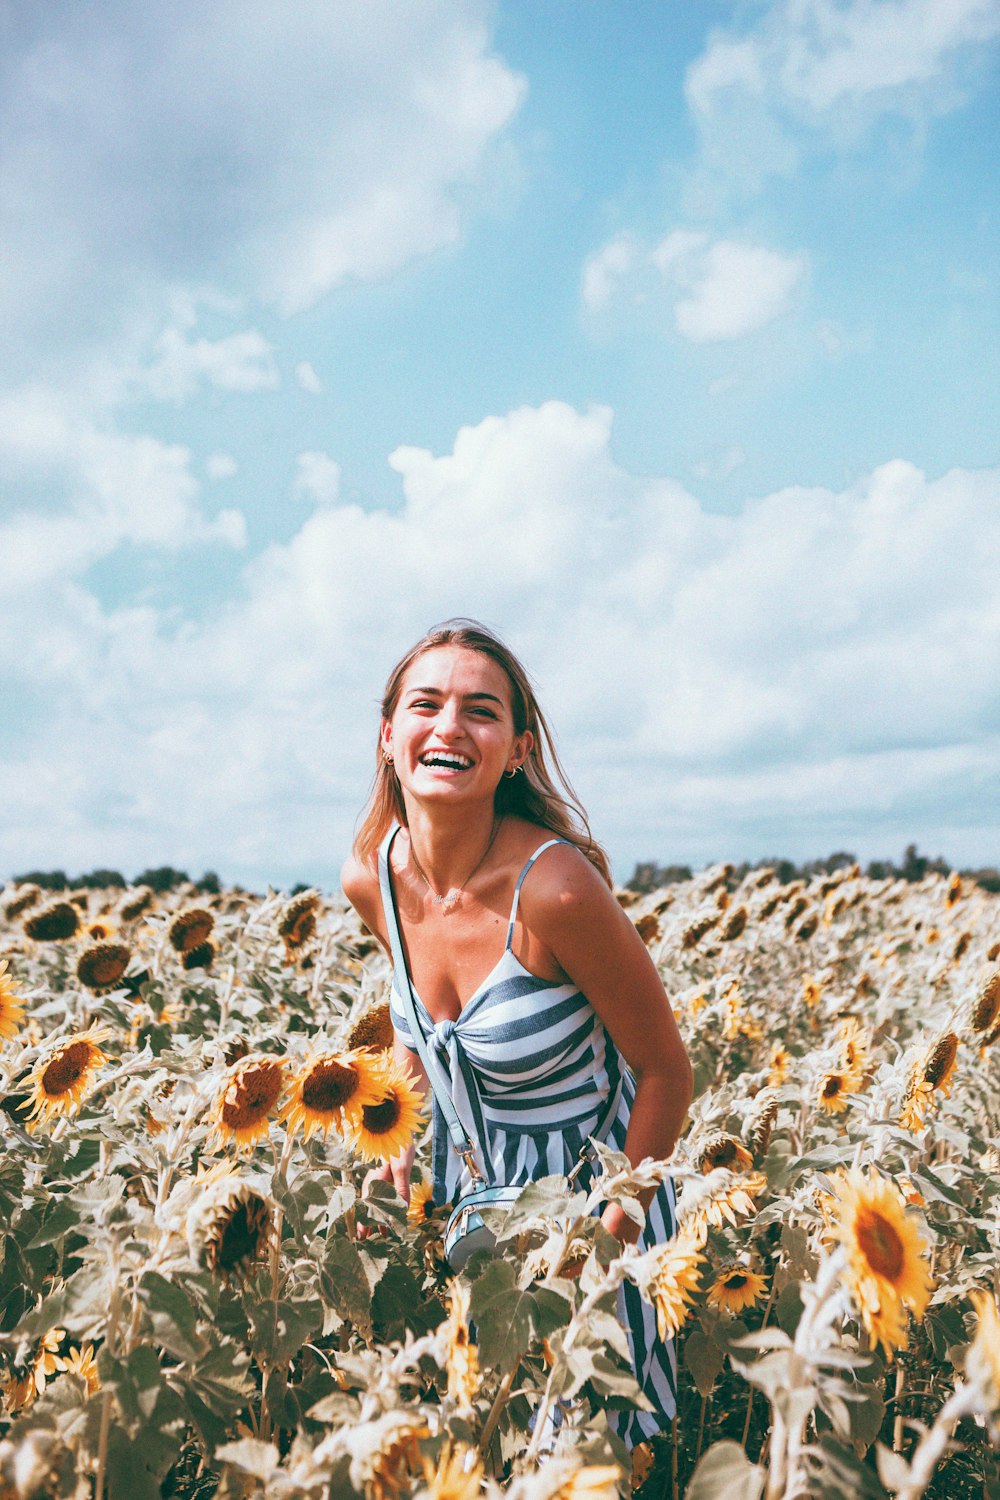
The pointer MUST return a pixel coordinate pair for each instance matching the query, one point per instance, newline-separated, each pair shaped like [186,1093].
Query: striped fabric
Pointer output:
[531,1066]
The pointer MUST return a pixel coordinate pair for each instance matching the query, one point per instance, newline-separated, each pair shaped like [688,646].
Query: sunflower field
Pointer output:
[204,1291]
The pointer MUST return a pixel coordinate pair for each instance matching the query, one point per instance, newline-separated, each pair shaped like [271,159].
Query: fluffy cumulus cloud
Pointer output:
[829,66]
[717,289]
[820,667]
[284,150]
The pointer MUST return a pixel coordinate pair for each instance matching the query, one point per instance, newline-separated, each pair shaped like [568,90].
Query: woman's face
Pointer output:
[452,735]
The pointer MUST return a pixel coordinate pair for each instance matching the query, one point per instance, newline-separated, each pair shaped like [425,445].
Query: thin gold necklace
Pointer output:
[451,898]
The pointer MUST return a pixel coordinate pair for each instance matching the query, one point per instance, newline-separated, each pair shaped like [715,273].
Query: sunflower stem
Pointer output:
[490,1425]
[897,1421]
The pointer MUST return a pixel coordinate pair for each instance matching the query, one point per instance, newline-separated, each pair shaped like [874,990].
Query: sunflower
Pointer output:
[11,1009]
[458,1475]
[101,966]
[229,1225]
[298,922]
[982,1358]
[591,1482]
[854,1040]
[397,1457]
[931,1074]
[420,1207]
[811,991]
[63,1076]
[460,1357]
[734,924]
[986,1006]
[758,1132]
[134,905]
[54,923]
[724,1150]
[82,1364]
[719,1199]
[648,928]
[99,931]
[373,1028]
[736,1288]
[886,1270]
[833,1089]
[246,1099]
[675,1278]
[385,1129]
[27,895]
[331,1089]
[779,1065]
[200,956]
[190,928]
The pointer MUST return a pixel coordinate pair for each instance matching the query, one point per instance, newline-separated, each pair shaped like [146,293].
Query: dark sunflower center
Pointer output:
[66,1069]
[328,1086]
[880,1244]
[239,1237]
[379,1118]
[254,1095]
[832,1087]
[736,1281]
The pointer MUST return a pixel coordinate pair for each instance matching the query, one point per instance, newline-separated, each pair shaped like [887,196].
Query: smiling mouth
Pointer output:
[439,760]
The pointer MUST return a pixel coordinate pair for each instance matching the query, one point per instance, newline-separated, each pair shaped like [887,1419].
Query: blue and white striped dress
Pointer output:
[531,1067]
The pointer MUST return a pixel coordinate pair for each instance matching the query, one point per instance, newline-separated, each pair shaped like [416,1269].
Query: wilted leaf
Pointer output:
[726,1471]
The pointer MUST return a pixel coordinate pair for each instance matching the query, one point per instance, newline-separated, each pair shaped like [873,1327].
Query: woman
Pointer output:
[531,984]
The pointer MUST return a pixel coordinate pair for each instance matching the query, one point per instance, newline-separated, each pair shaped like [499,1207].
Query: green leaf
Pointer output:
[547,1197]
[398,1304]
[725,1470]
[346,1285]
[63,1218]
[504,1317]
[704,1359]
[250,1455]
[174,1316]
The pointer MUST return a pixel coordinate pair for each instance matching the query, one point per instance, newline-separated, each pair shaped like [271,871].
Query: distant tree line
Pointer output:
[163,878]
[649,876]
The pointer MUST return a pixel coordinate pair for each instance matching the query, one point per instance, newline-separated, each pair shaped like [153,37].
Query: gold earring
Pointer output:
[387,757]
[513,771]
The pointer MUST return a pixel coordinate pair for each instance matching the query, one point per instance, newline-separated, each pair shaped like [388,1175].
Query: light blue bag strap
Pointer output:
[435,1073]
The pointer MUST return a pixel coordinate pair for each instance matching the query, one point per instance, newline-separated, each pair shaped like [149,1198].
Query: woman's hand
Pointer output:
[397,1172]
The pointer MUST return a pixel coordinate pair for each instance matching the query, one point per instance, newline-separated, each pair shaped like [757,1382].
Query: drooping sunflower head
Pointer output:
[457,1475]
[190,928]
[761,1124]
[383,1129]
[333,1088]
[135,903]
[373,1029]
[779,1065]
[939,1062]
[648,928]
[11,1009]
[676,1273]
[250,1092]
[986,1006]
[297,925]
[736,1288]
[853,1040]
[229,1226]
[102,966]
[724,1150]
[886,1267]
[982,1358]
[64,1075]
[23,897]
[54,923]
[201,956]
[420,1207]
[722,1197]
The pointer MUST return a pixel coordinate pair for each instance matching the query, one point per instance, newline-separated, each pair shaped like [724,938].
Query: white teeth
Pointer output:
[451,762]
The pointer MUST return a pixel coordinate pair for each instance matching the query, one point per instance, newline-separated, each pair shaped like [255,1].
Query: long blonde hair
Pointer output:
[537,793]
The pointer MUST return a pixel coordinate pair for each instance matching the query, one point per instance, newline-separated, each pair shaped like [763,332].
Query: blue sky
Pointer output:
[663,338]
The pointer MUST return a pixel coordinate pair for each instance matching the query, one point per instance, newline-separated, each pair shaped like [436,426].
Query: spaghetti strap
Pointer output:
[520,881]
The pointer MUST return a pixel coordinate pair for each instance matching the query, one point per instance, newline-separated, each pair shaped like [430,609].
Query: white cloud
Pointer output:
[241,362]
[318,478]
[823,665]
[143,148]
[720,290]
[221,466]
[831,66]
[308,379]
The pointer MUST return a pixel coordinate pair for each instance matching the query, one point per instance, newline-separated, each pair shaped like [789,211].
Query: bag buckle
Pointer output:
[468,1156]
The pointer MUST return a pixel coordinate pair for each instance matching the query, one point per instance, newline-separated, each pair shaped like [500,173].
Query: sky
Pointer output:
[662,338]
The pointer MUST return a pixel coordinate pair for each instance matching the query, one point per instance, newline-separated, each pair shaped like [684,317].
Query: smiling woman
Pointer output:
[522,995]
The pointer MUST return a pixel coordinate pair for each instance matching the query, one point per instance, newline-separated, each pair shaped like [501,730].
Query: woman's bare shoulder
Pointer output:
[359,884]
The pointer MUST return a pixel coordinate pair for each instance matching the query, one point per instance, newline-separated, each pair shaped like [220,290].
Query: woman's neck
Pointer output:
[449,841]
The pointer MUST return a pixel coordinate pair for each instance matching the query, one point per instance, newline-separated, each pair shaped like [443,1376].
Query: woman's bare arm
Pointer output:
[566,904]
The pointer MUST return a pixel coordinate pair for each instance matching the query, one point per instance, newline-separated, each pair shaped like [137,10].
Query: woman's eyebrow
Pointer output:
[466,697]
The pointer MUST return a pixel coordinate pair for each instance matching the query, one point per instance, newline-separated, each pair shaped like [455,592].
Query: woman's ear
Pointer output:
[523,746]
[385,737]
